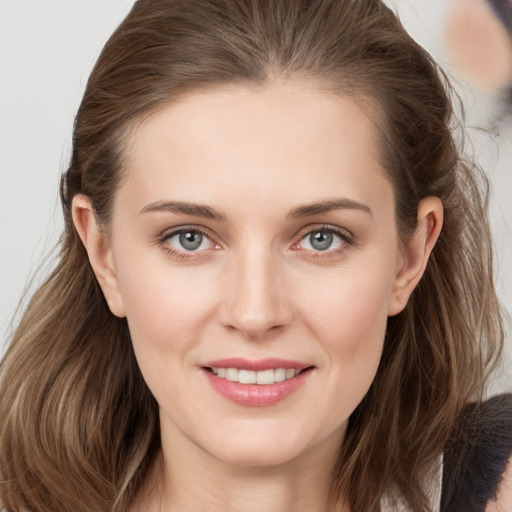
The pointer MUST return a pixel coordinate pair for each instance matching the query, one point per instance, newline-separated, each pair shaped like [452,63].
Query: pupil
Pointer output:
[190,240]
[321,240]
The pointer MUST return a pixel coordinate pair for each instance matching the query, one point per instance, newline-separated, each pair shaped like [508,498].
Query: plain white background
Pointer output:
[47,49]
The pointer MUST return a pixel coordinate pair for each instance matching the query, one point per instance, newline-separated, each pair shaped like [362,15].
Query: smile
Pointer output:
[262,377]
[256,383]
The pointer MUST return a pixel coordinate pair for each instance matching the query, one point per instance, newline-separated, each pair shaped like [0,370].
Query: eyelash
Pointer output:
[184,255]
[347,240]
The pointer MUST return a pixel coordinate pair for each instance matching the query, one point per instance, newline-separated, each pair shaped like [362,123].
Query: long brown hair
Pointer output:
[79,427]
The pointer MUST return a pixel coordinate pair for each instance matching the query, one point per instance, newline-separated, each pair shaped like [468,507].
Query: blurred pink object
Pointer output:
[478,36]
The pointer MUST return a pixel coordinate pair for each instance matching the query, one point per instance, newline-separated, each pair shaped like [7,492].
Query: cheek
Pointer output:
[349,311]
[350,322]
[354,338]
[166,307]
[166,312]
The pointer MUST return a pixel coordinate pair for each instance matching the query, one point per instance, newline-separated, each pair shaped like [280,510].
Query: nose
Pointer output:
[256,300]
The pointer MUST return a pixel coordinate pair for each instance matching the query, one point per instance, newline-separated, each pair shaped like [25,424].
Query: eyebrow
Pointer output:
[200,210]
[184,208]
[327,206]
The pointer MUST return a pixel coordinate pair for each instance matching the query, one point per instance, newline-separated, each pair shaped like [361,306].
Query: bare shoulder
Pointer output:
[503,501]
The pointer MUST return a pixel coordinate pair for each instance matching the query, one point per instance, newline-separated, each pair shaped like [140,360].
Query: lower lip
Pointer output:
[257,395]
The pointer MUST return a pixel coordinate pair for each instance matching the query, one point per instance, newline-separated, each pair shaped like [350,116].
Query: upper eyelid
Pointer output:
[168,233]
[343,232]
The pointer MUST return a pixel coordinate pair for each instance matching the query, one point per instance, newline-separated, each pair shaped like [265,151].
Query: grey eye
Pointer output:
[321,240]
[191,240]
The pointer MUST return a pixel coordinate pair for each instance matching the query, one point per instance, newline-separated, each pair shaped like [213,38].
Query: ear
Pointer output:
[99,251]
[415,253]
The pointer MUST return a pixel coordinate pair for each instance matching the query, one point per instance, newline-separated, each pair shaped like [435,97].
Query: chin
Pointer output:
[256,456]
[271,447]
[251,448]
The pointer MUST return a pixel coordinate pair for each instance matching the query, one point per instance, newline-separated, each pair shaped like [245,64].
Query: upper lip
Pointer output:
[255,364]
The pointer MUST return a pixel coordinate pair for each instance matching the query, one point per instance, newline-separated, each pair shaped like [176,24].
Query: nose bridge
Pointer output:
[256,300]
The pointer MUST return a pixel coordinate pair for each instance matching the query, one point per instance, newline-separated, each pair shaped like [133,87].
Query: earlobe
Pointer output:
[416,252]
[97,245]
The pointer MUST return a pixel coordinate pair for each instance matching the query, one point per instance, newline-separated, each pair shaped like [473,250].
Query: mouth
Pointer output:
[256,383]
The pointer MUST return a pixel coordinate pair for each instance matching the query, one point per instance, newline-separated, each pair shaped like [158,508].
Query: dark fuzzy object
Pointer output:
[476,455]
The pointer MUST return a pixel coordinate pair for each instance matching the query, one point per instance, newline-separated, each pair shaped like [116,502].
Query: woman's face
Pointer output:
[253,238]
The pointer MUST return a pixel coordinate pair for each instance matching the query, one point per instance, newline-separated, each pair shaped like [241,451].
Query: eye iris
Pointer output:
[321,240]
[191,240]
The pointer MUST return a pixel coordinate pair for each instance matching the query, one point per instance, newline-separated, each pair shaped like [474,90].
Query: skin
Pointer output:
[257,287]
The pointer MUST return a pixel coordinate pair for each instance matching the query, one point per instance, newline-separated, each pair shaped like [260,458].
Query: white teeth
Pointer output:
[252,377]
[232,374]
[265,377]
[246,377]
[279,375]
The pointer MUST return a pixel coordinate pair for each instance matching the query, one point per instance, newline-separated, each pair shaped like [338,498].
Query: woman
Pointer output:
[275,283]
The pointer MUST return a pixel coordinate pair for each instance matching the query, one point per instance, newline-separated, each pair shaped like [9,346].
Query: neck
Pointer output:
[186,479]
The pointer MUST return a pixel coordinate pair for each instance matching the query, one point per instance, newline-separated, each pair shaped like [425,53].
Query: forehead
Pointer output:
[286,139]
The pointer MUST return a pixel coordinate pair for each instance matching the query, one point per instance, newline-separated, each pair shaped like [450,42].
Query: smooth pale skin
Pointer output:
[258,288]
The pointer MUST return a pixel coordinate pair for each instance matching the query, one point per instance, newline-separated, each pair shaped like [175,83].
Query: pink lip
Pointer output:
[255,395]
[255,365]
